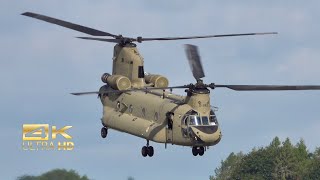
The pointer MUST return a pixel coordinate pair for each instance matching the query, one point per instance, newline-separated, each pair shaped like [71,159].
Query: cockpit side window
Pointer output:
[212,121]
[185,121]
[213,118]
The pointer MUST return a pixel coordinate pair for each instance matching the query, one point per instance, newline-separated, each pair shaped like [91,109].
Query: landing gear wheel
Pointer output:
[195,151]
[104,132]
[201,150]
[150,151]
[147,150]
[144,151]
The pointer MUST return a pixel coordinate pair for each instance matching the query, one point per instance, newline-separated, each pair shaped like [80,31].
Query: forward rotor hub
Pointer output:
[198,88]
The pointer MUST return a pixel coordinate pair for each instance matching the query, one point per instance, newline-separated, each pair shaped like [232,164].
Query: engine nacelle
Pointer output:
[156,80]
[117,82]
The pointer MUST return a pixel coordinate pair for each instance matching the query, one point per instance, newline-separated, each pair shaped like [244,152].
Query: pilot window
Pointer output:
[195,120]
[198,120]
[205,120]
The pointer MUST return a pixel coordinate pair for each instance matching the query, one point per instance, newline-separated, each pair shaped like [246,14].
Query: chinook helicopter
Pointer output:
[138,103]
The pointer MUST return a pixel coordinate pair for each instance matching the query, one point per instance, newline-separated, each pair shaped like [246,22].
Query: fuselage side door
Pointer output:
[169,127]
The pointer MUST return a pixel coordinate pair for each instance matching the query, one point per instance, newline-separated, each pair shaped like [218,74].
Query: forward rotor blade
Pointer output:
[69,25]
[199,37]
[101,39]
[194,61]
[268,87]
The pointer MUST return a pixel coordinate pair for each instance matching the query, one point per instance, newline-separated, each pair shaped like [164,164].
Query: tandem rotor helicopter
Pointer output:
[137,103]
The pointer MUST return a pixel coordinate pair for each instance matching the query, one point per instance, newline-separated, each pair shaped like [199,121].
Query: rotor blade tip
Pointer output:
[86,38]
[25,13]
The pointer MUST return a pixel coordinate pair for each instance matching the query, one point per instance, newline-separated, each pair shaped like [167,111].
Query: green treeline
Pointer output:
[56,174]
[279,160]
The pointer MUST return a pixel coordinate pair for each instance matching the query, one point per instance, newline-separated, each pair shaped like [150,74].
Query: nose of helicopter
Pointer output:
[210,135]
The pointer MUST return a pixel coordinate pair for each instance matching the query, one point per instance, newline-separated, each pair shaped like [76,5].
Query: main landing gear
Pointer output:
[104,132]
[147,150]
[198,150]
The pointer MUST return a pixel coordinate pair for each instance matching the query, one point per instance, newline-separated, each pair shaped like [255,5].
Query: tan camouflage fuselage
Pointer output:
[147,114]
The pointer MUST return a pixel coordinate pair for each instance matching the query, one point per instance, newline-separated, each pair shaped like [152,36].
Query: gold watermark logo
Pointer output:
[37,137]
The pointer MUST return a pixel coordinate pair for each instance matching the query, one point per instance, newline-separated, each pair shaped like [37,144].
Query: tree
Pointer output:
[26,177]
[303,158]
[60,174]
[275,143]
[313,168]
[278,160]
[285,162]
[227,166]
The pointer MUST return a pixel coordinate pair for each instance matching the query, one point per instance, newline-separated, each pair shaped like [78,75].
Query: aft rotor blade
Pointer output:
[69,25]
[101,92]
[162,88]
[101,39]
[146,89]
[85,93]
[269,87]
[199,37]
[194,61]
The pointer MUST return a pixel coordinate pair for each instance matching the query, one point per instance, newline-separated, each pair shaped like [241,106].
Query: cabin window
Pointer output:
[140,72]
[143,112]
[156,116]
[130,109]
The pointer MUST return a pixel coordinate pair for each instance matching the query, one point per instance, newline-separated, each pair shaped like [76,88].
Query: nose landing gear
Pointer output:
[147,150]
[104,132]
[198,150]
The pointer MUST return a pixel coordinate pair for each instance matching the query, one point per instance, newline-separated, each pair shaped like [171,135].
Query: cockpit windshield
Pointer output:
[195,120]
[205,120]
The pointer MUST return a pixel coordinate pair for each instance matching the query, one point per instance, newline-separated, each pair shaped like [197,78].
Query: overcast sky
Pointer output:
[42,63]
